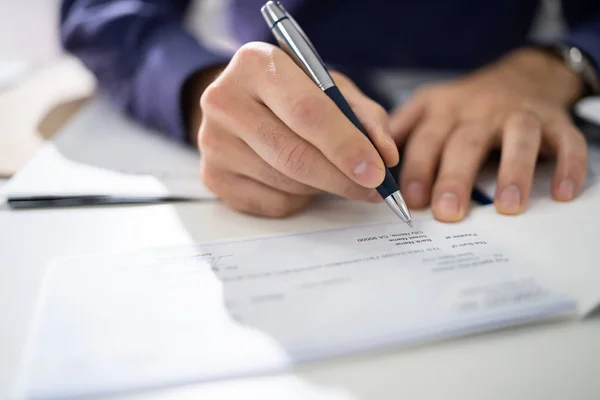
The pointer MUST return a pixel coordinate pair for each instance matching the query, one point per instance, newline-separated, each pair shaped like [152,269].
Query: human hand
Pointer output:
[519,105]
[270,138]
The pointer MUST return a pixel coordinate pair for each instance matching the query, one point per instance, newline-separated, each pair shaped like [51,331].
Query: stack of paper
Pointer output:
[588,110]
[238,308]
[101,157]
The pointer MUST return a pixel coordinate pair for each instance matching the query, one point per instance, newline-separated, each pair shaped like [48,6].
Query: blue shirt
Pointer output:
[142,55]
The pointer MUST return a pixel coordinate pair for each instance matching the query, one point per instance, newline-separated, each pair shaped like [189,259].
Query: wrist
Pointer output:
[541,74]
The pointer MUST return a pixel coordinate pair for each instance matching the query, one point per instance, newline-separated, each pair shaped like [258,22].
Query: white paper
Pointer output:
[238,308]
[589,109]
[544,172]
[276,387]
[11,72]
[102,154]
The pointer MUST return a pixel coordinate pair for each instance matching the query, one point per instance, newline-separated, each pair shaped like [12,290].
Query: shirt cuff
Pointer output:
[173,57]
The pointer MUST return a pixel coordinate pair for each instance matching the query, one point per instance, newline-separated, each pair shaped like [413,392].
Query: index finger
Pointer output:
[306,110]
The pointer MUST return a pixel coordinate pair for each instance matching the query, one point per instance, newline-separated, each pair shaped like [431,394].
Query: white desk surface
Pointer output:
[553,361]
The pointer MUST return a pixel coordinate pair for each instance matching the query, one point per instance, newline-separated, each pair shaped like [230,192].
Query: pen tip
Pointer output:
[410,223]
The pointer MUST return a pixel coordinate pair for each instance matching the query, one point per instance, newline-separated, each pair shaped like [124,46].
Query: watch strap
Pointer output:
[577,61]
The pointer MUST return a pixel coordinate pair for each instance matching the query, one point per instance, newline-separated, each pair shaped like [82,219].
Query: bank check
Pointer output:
[237,308]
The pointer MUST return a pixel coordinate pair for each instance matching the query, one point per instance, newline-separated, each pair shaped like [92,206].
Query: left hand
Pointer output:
[518,104]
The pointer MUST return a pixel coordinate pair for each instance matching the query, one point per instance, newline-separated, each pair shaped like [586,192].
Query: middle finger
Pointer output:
[520,148]
[465,150]
[421,159]
[236,156]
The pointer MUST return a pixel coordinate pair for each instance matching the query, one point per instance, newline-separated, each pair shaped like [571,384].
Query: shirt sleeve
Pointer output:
[140,53]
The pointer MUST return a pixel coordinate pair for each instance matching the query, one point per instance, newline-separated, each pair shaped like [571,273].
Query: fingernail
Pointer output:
[368,174]
[415,192]
[566,189]
[510,199]
[447,205]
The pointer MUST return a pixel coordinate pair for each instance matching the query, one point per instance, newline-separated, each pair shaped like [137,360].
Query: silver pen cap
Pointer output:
[295,43]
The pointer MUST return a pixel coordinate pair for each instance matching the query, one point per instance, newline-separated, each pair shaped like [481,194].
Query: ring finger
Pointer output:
[422,157]
[520,148]
[236,156]
[249,196]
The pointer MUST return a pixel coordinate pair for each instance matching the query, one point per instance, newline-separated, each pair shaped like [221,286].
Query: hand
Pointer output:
[270,138]
[519,105]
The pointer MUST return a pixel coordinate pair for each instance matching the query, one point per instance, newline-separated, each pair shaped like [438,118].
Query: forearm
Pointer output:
[140,54]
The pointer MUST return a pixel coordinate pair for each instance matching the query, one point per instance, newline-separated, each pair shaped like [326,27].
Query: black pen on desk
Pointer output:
[295,43]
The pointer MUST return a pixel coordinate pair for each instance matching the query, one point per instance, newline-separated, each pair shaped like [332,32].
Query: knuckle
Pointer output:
[491,102]
[270,135]
[263,61]
[379,112]
[209,178]
[208,140]
[253,54]
[526,120]
[296,160]
[215,97]
[470,138]
[431,136]
[281,207]
[528,146]
[308,109]
[278,180]
[528,104]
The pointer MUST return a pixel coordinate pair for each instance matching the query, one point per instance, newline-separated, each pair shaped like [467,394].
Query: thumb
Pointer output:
[374,119]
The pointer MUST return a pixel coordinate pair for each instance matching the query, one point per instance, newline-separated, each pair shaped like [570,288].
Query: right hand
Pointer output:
[270,138]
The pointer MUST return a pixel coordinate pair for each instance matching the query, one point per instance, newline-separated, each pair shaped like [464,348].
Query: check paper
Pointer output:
[236,308]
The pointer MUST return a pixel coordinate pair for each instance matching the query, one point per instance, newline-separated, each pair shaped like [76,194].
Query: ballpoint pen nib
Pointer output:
[398,206]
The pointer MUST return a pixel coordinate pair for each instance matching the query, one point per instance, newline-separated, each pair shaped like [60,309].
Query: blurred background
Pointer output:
[29,28]
[40,86]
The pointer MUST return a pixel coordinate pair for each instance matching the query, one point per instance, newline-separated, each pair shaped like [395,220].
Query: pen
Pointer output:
[295,43]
